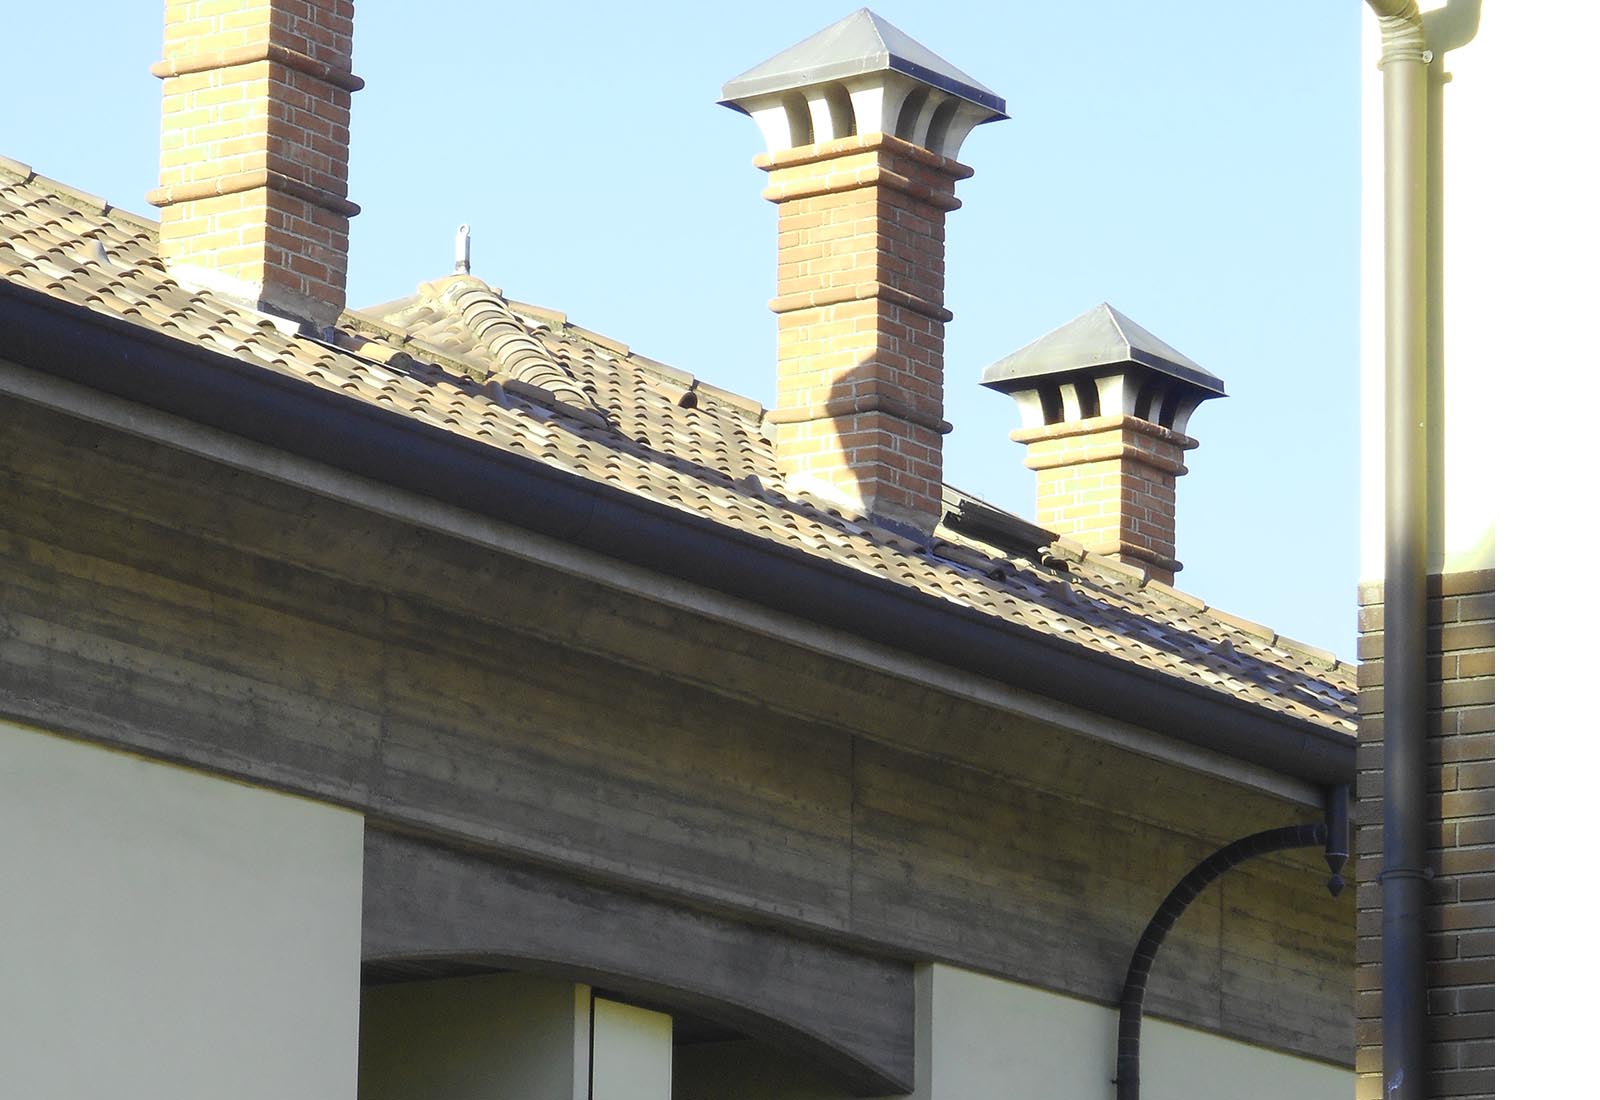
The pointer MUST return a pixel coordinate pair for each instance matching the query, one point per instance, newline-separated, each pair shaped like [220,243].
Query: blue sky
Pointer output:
[1196,165]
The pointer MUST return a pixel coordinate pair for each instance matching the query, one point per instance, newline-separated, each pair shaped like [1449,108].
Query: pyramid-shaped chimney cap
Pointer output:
[1102,339]
[857,45]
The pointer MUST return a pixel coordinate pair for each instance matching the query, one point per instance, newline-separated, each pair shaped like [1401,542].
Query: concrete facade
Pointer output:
[848,817]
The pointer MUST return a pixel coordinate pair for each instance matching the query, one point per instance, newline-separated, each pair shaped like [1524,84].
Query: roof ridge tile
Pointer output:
[483,311]
[18,173]
[1247,626]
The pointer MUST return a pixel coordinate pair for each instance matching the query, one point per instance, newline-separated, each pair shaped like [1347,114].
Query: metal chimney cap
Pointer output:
[856,45]
[1100,338]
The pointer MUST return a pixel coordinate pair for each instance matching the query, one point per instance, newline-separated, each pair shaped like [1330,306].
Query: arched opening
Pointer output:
[841,113]
[471,1030]
[799,114]
[905,127]
[448,934]
[939,126]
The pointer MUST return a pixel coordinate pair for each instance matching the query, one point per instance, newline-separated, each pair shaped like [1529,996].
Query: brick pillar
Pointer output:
[1110,482]
[861,320]
[255,139]
[1460,916]
[1105,404]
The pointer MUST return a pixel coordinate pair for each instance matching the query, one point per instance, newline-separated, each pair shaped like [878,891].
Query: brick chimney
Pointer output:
[1104,408]
[862,126]
[255,144]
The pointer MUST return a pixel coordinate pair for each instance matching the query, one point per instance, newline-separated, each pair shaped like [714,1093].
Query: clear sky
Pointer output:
[1194,164]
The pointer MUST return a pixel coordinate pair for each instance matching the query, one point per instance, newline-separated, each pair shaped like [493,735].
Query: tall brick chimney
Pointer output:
[862,126]
[1104,407]
[255,144]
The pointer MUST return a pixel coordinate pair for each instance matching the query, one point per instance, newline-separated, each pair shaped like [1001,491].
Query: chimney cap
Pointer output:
[857,45]
[1102,337]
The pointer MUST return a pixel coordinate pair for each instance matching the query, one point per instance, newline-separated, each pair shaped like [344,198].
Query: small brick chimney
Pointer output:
[255,143]
[862,126]
[1104,407]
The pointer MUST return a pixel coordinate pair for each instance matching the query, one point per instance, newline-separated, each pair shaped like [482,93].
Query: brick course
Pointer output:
[1110,483]
[253,185]
[1460,917]
[860,304]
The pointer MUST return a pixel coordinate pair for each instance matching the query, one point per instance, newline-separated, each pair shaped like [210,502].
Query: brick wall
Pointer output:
[255,141]
[1110,482]
[861,318]
[1460,936]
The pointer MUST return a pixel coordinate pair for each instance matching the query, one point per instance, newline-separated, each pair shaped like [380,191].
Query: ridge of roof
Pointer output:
[15,171]
[688,380]
[505,339]
[375,320]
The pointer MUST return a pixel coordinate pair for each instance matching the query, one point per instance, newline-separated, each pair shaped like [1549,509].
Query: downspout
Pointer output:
[1332,834]
[1405,872]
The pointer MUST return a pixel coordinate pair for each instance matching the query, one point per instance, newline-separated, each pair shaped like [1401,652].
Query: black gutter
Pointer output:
[142,365]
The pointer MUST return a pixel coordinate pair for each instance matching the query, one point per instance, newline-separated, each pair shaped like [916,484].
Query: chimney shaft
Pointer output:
[861,165]
[1110,483]
[255,142]
[861,319]
[1104,408]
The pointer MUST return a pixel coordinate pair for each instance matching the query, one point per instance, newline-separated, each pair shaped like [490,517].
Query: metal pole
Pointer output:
[1405,870]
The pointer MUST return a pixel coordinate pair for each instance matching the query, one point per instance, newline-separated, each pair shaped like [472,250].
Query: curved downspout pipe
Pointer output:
[1331,834]
[1404,876]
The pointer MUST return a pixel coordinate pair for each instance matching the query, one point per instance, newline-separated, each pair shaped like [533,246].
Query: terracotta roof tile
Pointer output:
[517,377]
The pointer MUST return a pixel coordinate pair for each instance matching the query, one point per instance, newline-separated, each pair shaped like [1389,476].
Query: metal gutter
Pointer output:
[141,365]
[1405,864]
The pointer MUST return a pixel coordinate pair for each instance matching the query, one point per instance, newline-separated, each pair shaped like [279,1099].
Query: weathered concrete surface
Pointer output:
[847,1010]
[188,611]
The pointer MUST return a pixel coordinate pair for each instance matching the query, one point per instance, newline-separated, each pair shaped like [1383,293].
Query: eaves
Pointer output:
[214,391]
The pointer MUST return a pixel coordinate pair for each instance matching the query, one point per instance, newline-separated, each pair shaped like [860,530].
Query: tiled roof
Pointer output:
[460,355]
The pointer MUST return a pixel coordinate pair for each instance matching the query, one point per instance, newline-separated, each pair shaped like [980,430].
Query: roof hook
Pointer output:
[94,252]
[463,249]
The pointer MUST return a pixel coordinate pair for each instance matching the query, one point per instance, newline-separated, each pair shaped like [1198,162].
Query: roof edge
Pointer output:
[116,356]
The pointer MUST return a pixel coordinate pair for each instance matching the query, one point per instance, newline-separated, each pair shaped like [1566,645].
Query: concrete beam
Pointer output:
[848,1012]
[385,500]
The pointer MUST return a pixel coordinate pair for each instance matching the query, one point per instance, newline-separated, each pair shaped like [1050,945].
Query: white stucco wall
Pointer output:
[510,1037]
[979,1036]
[1516,220]
[494,1037]
[632,1053]
[169,935]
